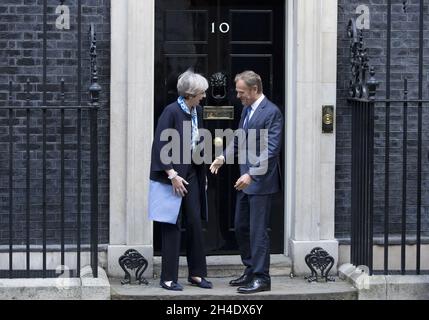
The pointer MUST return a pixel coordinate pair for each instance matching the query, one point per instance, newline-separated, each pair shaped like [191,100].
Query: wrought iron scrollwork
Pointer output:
[359,62]
[360,86]
[94,89]
[319,259]
[132,259]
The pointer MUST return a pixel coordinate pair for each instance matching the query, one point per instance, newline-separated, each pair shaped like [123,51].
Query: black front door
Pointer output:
[221,38]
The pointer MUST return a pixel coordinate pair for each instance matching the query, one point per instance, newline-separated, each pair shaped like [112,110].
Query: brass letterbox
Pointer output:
[218,113]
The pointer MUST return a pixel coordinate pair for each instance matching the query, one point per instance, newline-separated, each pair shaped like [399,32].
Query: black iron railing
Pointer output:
[376,220]
[43,221]
[33,166]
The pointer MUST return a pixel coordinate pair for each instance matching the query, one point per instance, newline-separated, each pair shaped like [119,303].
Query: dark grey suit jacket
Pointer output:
[265,168]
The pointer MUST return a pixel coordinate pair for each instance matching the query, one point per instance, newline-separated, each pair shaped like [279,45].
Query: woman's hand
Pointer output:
[179,185]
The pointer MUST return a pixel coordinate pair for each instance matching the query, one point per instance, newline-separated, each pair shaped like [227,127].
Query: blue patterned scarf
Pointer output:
[195,134]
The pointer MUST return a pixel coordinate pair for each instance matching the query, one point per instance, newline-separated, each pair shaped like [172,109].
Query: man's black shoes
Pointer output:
[256,285]
[241,281]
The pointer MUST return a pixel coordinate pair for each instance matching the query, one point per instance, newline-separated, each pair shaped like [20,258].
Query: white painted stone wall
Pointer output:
[53,260]
[314,44]
[132,74]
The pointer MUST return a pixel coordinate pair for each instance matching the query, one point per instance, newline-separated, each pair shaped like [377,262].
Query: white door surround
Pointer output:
[311,29]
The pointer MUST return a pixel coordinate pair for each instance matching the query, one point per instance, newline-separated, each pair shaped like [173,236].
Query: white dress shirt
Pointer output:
[253,107]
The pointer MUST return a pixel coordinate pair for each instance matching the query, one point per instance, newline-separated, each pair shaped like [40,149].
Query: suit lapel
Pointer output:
[257,113]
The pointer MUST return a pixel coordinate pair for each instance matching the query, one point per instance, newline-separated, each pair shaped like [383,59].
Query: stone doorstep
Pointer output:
[228,266]
[84,288]
[282,288]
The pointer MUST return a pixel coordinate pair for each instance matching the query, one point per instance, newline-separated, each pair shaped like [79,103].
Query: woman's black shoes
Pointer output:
[174,286]
[202,284]
[178,287]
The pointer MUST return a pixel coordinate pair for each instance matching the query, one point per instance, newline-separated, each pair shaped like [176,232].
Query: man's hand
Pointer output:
[178,186]
[243,182]
[217,163]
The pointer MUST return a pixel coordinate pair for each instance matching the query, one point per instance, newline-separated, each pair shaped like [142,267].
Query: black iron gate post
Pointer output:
[362,99]
[362,179]
[94,91]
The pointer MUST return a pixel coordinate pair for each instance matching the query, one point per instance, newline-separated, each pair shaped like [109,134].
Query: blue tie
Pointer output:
[246,119]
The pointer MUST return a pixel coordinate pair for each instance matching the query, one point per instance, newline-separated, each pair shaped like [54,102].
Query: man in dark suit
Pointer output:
[262,125]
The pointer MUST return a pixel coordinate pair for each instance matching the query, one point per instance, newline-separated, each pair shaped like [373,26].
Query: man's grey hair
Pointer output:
[251,79]
[191,84]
